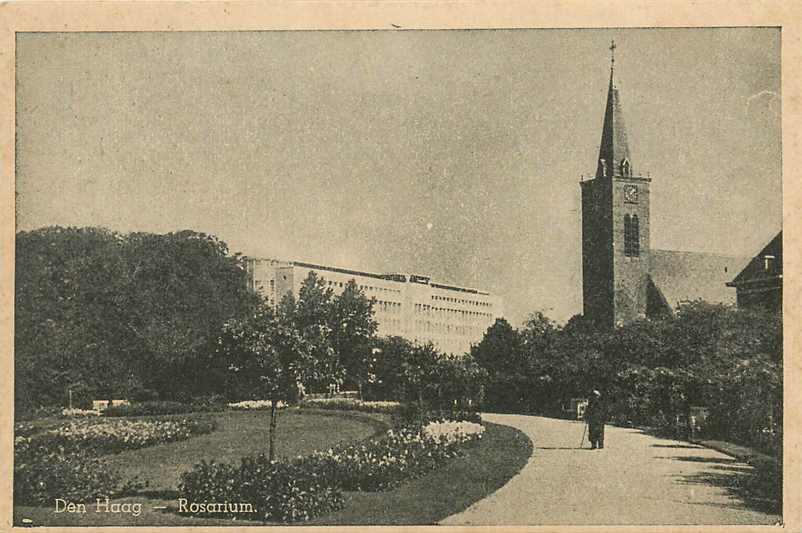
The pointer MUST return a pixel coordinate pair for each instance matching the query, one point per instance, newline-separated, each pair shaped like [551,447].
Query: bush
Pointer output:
[279,491]
[41,476]
[31,413]
[347,404]
[209,404]
[140,394]
[149,408]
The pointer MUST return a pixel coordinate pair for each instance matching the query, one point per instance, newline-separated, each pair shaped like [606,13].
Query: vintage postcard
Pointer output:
[465,265]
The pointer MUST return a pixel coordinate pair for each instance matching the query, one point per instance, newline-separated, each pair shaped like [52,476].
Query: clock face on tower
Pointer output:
[631,194]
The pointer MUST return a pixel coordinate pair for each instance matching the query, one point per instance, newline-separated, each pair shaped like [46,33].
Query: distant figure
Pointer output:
[596,416]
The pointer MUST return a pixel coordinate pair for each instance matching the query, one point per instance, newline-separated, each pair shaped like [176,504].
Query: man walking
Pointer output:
[596,416]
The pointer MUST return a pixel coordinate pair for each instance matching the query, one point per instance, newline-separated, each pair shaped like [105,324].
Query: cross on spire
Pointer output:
[612,54]
[614,149]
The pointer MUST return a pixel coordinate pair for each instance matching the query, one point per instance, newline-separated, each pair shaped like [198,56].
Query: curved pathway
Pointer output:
[636,479]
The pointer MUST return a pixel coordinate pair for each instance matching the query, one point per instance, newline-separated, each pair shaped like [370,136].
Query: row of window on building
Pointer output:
[426,326]
[340,285]
[390,325]
[461,301]
[384,306]
[463,314]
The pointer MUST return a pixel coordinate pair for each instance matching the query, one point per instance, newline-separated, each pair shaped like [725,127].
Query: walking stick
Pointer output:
[584,430]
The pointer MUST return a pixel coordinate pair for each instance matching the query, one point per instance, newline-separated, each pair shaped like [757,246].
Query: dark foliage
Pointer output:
[107,314]
[42,476]
[279,491]
[651,371]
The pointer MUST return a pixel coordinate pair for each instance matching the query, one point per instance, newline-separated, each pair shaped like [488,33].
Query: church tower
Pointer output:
[615,226]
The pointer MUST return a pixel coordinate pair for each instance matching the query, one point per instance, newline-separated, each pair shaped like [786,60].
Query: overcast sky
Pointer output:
[456,154]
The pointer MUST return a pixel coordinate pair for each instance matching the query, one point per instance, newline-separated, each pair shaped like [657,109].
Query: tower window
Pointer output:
[631,236]
[625,168]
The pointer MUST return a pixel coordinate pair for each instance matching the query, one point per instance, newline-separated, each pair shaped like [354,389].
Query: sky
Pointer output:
[454,154]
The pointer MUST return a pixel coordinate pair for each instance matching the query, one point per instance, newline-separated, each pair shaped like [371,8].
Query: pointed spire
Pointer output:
[614,149]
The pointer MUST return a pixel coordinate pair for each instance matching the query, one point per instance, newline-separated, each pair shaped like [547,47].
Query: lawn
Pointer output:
[242,433]
[486,466]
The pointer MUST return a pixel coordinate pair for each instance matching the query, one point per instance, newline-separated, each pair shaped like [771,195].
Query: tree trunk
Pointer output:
[271,453]
[420,409]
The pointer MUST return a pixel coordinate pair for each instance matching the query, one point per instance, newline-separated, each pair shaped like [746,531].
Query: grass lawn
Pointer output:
[242,433]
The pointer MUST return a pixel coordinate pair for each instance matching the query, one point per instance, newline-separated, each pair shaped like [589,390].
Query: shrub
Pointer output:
[347,404]
[278,491]
[209,404]
[149,408]
[141,394]
[41,476]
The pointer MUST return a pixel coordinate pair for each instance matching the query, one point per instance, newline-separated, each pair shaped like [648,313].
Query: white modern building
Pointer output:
[406,305]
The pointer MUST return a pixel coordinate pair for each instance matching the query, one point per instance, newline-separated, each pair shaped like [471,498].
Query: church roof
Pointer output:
[614,147]
[688,276]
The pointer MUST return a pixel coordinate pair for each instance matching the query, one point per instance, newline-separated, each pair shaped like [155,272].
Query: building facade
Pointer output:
[760,283]
[405,305]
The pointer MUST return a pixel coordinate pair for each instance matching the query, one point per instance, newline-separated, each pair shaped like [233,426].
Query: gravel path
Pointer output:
[636,479]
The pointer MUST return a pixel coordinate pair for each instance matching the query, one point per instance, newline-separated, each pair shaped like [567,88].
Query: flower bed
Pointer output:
[401,455]
[255,404]
[151,408]
[278,491]
[40,476]
[63,462]
[347,404]
[308,486]
[450,431]
[80,412]
[102,436]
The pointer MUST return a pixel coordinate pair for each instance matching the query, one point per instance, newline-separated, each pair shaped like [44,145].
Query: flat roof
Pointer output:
[398,278]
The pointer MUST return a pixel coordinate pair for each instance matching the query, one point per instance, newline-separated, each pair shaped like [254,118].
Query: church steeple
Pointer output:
[616,253]
[614,149]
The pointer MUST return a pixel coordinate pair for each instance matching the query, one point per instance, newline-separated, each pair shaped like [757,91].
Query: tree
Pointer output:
[385,376]
[108,312]
[311,316]
[501,354]
[180,289]
[353,330]
[500,349]
[267,358]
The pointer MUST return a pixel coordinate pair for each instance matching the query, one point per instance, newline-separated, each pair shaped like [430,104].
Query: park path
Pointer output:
[635,479]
